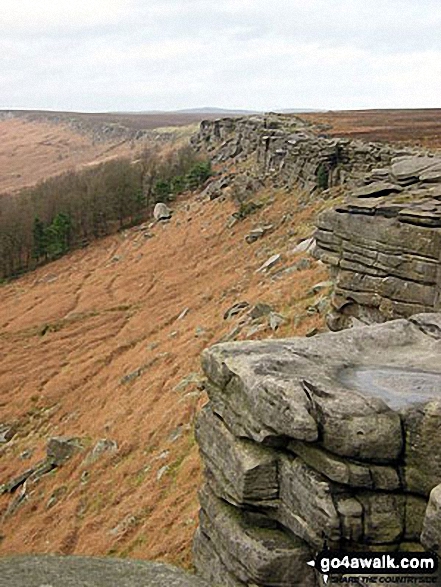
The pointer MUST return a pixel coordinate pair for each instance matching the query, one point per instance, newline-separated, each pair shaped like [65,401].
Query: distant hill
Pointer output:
[221,111]
[210,111]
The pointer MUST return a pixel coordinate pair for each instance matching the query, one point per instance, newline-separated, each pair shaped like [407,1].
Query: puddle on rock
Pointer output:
[397,386]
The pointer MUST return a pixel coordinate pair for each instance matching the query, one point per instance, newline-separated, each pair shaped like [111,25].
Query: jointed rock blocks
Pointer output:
[334,439]
[291,151]
[383,245]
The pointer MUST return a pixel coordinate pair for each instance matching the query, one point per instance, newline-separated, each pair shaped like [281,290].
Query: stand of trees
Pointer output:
[68,211]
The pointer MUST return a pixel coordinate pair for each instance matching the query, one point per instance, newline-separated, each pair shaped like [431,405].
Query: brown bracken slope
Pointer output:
[91,346]
[35,145]
[31,151]
[408,127]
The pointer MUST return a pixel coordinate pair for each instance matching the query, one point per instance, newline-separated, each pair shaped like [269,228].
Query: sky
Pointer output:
[140,55]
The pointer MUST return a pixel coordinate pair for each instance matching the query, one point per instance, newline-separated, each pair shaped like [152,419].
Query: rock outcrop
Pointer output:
[291,151]
[333,439]
[383,245]
[81,571]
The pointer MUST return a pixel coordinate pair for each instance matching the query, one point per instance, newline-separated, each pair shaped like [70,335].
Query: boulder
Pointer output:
[161,212]
[7,432]
[81,571]
[269,263]
[60,449]
[274,391]
[431,534]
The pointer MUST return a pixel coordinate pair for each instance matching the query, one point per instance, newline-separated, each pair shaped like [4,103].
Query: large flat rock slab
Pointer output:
[370,394]
[79,571]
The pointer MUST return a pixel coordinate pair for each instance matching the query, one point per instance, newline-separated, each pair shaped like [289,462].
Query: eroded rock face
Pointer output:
[335,438]
[242,471]
[292,152]
[249,548]
[383,245]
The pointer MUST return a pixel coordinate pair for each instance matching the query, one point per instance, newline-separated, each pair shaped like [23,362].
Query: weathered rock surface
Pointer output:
[289,150]
[252,553]
[384,253]
[80,571]
[60,449]
[431,534]
[7,432]
[162,212]
[243,471]
[343,429]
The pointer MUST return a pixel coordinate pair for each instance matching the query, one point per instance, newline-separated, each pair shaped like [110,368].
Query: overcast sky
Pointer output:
[99,55]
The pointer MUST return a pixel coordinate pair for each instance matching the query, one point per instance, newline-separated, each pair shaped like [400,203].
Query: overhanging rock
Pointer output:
[351,424]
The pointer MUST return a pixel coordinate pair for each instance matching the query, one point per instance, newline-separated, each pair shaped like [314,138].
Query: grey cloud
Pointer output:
[180,53]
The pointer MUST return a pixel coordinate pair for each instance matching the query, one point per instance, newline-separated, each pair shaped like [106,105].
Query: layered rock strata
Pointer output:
[383,245]
[330,440]
[291,151]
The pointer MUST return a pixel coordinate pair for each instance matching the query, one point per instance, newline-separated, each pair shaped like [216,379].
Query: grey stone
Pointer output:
[431,533]
[102,447]
[257,233]
[415,511]
[269,263]
[275,320]
[182,315]
[304,246]
[32,473]
[161,212]
[209,564]
[242,472]
[7,432]
[408,169]
[323,285]
[60,449]
[423,438]
[259,310]
[191,379]
[346,471]
[383,517]
[378,188]
[235,309]
[307,506]
[79,571]
[260,409]
[286,388]
[254,554]
[432,174]
[383,267]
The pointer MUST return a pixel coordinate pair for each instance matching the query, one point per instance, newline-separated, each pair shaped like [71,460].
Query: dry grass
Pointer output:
[38,145]
[33,151]
[107,311]
[409,127]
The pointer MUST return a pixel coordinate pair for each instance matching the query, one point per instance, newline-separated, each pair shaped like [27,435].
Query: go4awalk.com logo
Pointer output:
[365,568]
